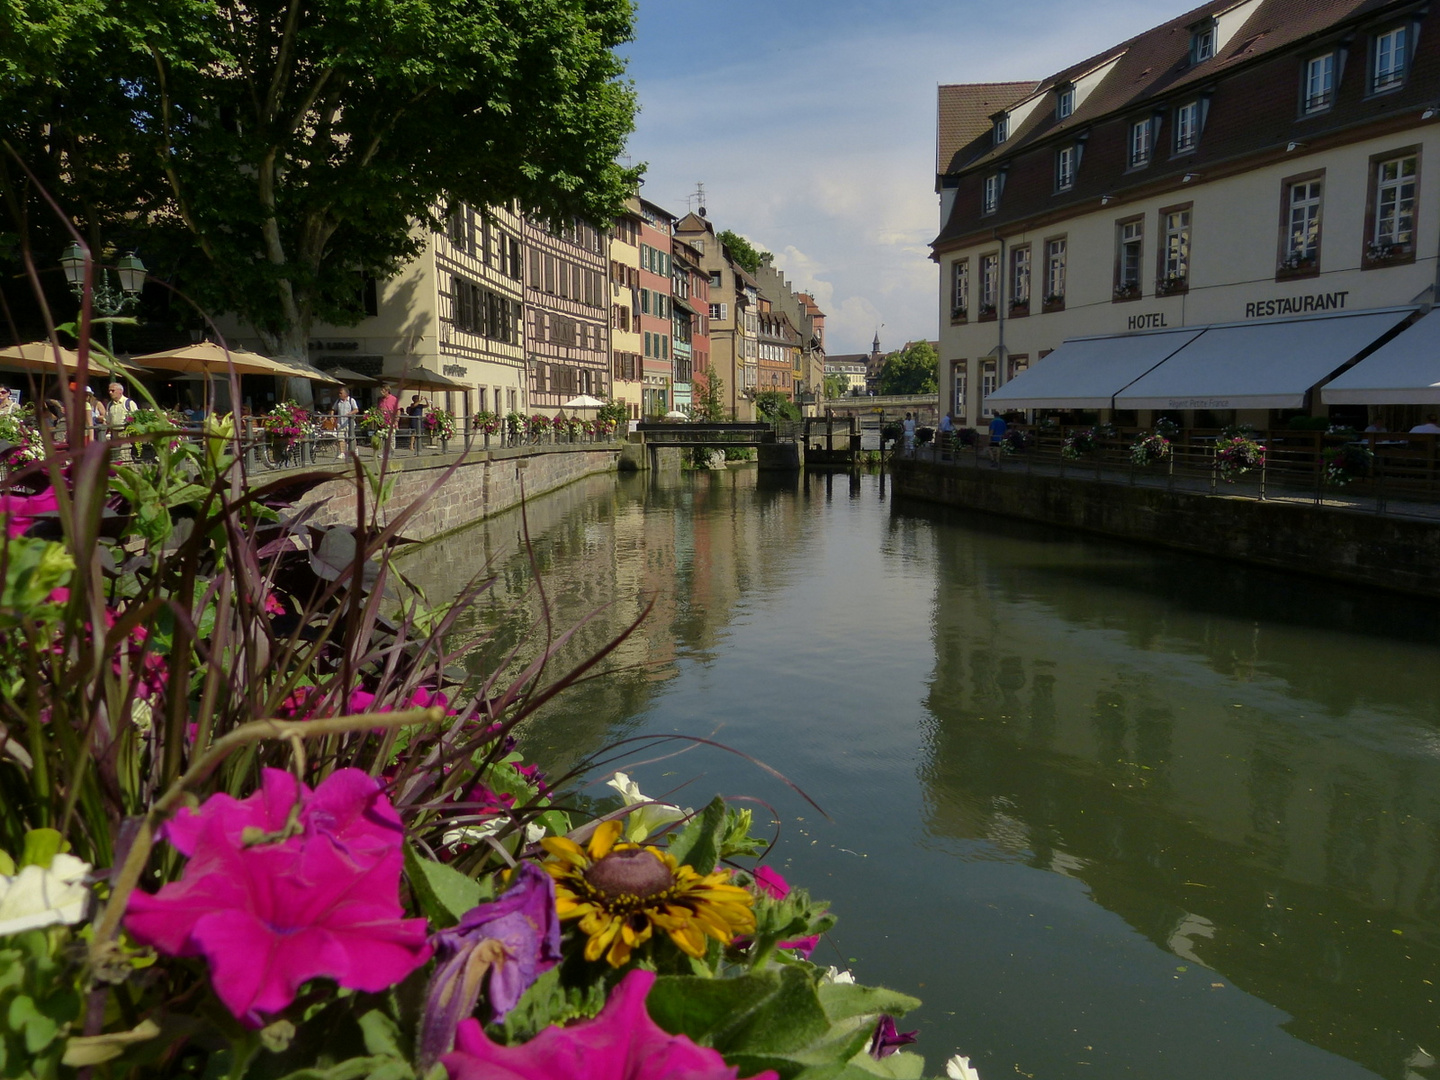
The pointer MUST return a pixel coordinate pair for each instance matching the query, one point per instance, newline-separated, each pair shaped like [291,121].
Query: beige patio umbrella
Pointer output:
[207,358]
[39,357]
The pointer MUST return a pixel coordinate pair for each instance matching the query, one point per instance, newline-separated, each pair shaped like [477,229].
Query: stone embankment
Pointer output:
[1389,551]
[460,490]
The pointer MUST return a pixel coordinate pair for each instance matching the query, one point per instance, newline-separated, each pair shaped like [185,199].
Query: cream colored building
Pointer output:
[1217,216]
[733,317]
[625,334]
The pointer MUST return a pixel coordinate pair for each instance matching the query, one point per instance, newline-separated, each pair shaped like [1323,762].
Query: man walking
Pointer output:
[997,438]
[345,417]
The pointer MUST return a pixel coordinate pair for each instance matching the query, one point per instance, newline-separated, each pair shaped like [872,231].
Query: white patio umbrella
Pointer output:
[584,401]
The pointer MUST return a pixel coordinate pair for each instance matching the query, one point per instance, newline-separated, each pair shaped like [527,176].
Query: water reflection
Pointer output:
[1122,812]
[1242,766]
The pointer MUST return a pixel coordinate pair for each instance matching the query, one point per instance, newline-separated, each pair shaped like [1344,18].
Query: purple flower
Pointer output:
[515,938]
[622,1043]
[887,1040]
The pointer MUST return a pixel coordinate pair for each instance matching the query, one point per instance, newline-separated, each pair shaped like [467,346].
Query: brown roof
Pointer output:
[1251,85]
[963,114]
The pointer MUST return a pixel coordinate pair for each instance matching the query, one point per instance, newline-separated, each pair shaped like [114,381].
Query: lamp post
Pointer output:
[108,298]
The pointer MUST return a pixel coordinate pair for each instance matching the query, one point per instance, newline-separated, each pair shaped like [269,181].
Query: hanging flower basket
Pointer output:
[1149,449]
[1237,456]
[1346,463]
[1079,443]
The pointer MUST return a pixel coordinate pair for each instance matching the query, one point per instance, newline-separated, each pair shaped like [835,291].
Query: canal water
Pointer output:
[1110,811]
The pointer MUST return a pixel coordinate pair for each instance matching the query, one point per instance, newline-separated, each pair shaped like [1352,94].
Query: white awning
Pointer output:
[1403,371]
[1086,373]
[1258,365]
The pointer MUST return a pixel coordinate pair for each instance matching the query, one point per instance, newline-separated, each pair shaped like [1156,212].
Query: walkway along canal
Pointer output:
[1110,810]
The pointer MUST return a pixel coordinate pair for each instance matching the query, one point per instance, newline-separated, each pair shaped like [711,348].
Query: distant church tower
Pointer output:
[875,345]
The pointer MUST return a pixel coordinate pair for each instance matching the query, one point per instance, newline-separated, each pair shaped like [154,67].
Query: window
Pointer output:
[1064,102]
[1187,127]
[1301,247]
[1387,70]
[959,289]
[1393,231]
[1129,250]
[1055,272]
[1141,138]
[1065,168]
[1020,280]
[989,283]
[1202,42]
[1319,83]
[991,201]
[1175,252]
[1001,128]
[645,301]
[960,387]
[989,382]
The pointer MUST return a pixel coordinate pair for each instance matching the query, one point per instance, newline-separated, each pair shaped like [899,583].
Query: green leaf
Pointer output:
[901,1065]
[698,844]
[770,1012]
[844,1000]
[39,1030]
[382,1035]
[444,893]
[41,847]
[7,864]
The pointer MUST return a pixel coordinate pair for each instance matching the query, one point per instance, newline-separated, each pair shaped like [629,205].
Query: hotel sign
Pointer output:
[1296,305]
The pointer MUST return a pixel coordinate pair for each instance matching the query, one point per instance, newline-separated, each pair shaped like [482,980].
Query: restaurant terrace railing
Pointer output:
[1378,472]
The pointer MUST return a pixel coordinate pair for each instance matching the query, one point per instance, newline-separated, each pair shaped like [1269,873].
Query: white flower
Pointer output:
[37,897]
[835,975]
[958,1068]
[650,817]
[474,834]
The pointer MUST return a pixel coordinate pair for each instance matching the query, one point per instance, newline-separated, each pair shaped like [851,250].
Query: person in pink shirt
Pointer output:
[389,405]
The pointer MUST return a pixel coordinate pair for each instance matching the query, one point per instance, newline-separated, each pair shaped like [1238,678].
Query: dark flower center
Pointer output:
[631,872]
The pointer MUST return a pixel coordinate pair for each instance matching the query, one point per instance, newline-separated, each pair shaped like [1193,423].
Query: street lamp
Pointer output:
[108,298]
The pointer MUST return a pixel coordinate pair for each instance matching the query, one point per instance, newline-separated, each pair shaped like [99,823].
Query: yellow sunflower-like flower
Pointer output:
[622,892]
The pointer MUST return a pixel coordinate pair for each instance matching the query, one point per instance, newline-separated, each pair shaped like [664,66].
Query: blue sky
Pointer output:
[812,126]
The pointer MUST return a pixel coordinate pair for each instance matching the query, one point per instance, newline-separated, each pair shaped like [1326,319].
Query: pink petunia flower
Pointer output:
[270,914]
[21,511]
[621,1043]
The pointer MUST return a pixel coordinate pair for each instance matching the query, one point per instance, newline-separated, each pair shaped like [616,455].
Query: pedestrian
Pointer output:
[416,412]
[908,428]
[119,409]
[1430,427]
[345,416]
[94,415]
[998,428]
[7,401]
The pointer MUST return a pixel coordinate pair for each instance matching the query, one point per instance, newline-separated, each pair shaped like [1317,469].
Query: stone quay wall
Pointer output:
[483,483]
[1392,553]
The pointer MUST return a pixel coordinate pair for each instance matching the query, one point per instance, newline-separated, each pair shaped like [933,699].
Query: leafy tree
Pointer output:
[267,155]
[911,370]
[743,252]
[836,386]
[707,400]
[773,405]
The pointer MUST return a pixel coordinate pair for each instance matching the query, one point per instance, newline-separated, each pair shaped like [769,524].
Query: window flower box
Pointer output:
[1053,302]
[987,312]
[1129,290]
[959,314]
[1170,286]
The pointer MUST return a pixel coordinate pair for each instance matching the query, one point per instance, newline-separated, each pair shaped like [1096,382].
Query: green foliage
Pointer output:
[745,254]
[773,405]
[613,412]
[707,403]
[911,370]
[271,156]
[39,1004]
[836,386]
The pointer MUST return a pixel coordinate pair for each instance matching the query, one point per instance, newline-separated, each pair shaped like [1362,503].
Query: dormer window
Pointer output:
[1001,129]
[1064,102]
[1388,61]
[1319,82]
[991,199]
[1187,127]
[1065,160]
[1202,41]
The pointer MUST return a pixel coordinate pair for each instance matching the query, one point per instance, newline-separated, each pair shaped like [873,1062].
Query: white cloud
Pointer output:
[815,139]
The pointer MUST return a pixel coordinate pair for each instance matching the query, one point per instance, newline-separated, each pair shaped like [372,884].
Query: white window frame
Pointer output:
[1020,276]
[989,383]
[961,387]
[1055,269]
[1187,126]
[990,199]
[1389,60]
[1304,202]
[1130,241]
[1319,83]
[1398,190]
[1065,159]
[1065,103]
[1142,143]
[1202,42]
[1176,264]
[990,280]
[1000,128]
[960,288]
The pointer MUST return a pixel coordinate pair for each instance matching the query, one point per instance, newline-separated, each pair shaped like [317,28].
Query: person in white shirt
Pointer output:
[908,428]
[345,413]
[1430,427]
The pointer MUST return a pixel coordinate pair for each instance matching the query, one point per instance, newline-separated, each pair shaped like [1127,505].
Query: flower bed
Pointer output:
[319,856]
